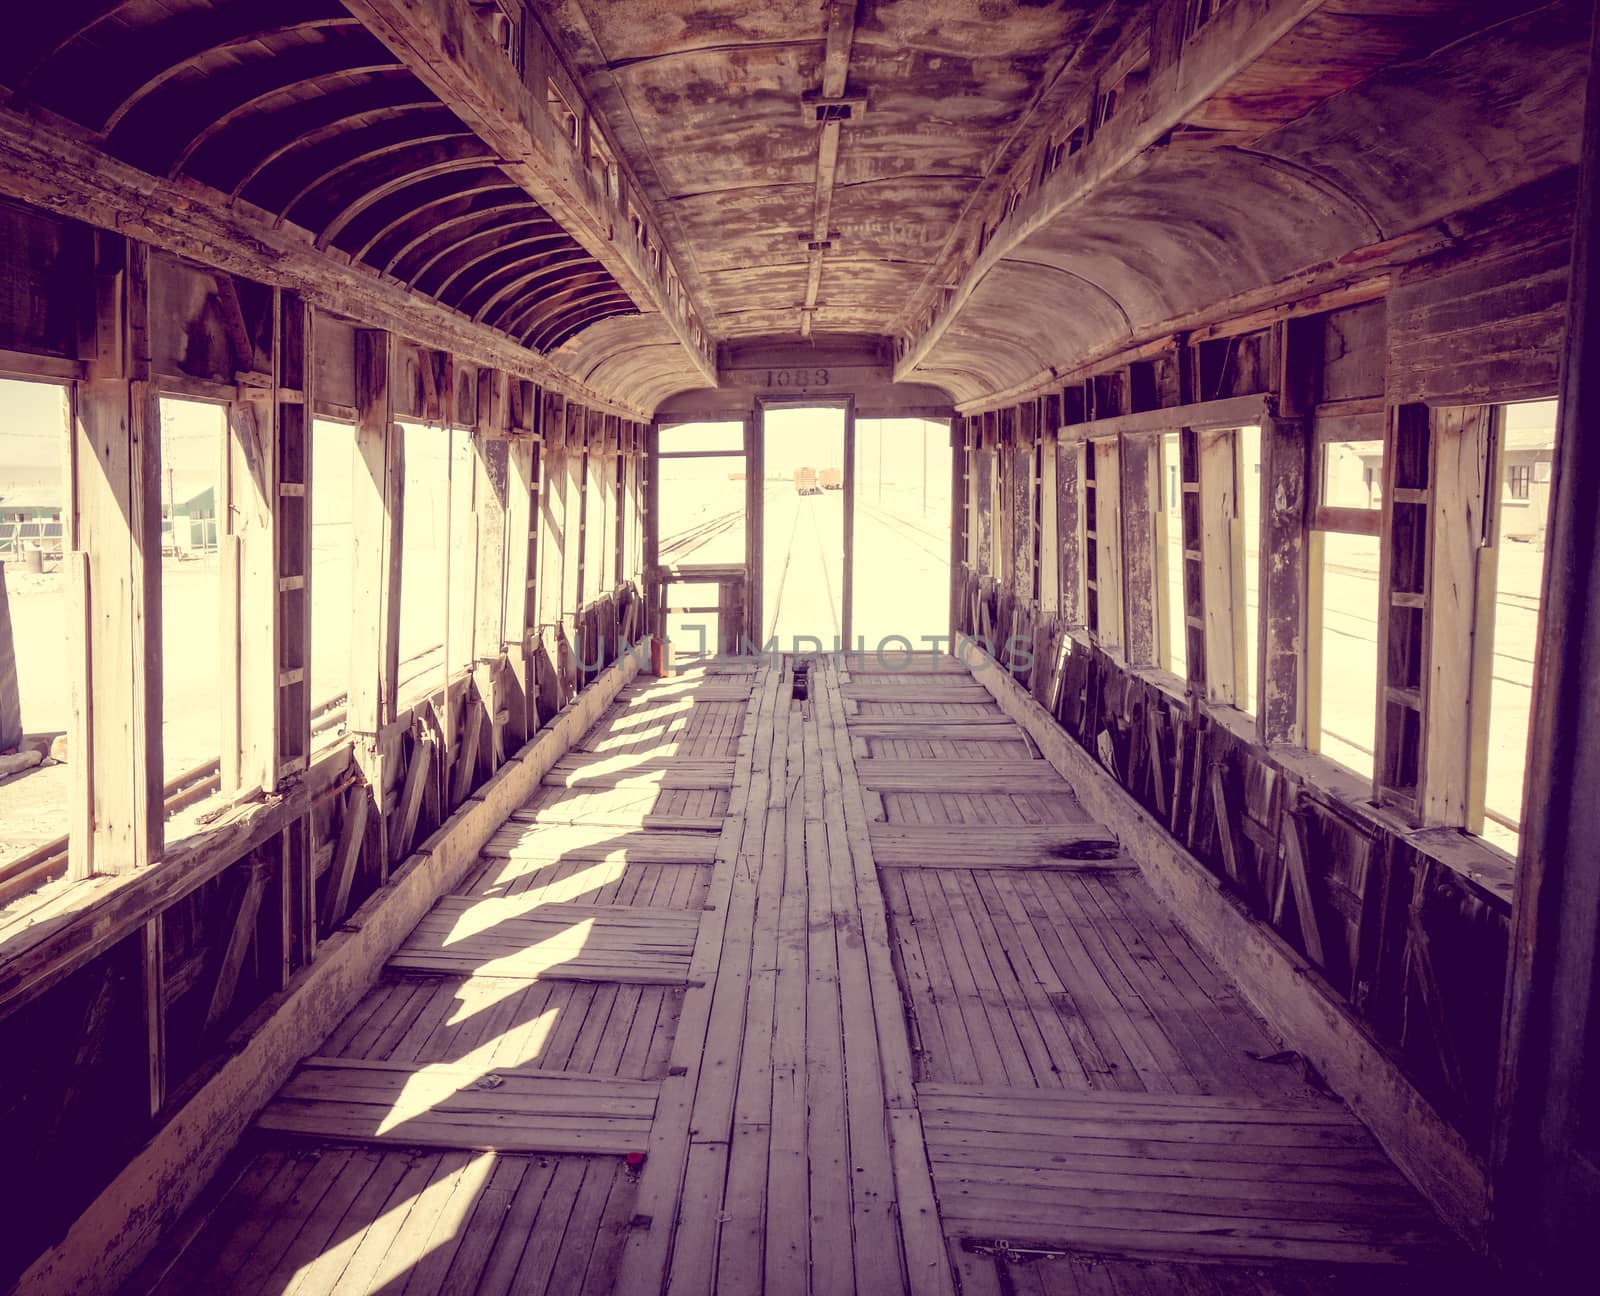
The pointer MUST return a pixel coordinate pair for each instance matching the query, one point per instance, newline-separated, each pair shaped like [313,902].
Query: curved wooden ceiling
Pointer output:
[707,102]
[292,106]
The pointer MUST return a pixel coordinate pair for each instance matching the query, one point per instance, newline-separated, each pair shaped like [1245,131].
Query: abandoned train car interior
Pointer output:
[799,646]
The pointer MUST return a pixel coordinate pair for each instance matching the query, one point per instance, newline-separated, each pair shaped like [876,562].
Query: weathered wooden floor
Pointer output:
[823,994]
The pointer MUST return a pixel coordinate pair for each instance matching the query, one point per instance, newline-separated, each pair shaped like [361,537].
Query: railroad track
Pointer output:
[915,534]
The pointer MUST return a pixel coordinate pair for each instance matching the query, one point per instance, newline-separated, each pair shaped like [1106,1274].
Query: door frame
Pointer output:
[755,508]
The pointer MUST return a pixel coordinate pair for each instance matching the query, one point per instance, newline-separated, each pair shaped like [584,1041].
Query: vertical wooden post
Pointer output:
[1141,504]
[1191,522]
[1221,583]
[376,506]
[573,553]
[290,647]
[1460,497]
[655,617]
[848,576]
[553,542]
[113,537]
[1070,528]
[292,532]
[377,502]
[491,489]
[1403,599]
[1285,531]
[1546,1150]
[1049,512]
[520,615]
[153,1009]
[1108,550]
[755,524]
[246,516]
[1282,705]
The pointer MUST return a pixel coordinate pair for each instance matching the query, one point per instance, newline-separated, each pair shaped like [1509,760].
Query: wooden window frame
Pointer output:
[1103,491]
[1340,521]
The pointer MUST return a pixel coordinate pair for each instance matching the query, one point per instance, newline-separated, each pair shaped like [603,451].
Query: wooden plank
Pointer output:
[510,937]
[1222,568]
[920,689]
[465,772]
[113,528]
[572,815]
[513,1109]
[1230,839]
[937,728]
[1296,864]
[239,939]
[519,840]
[662,1187]
[990,846]
[599,770]
[410,805]
[958,776]
[994,1164]
[1274,979]
[352,832]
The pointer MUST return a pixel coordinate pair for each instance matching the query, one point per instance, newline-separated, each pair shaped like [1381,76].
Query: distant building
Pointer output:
[30,517]
[1527,455]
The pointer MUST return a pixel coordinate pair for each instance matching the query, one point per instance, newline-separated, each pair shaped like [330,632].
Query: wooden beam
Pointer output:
[1222,563]
[410,803]
[466,764]
[1284,571]
[346,856]
[1546,1194]
[1462,497]
[248,508]
[847,597]
[1296,863]
[1108,542]
[294,369]
[1141,505]
[238,945]
[113,535]
[153,1005]
[377,516]
[1230,838]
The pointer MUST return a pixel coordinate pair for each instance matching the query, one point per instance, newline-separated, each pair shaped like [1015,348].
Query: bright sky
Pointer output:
[33,425]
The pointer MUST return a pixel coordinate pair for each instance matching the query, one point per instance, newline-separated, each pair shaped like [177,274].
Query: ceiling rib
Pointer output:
[841,34]
[449,53]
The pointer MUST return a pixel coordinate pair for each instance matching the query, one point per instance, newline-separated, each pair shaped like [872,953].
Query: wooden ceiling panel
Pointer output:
[709,103]
[619,31]
[1003,29]
[725,119]
[738,229]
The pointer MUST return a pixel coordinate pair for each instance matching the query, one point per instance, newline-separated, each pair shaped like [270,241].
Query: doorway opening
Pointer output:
[901,540]
[805,498]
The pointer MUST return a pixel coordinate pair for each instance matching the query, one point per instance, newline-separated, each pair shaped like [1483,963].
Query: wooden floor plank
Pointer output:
[993,846]
[516,1110]
[1083,1171]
